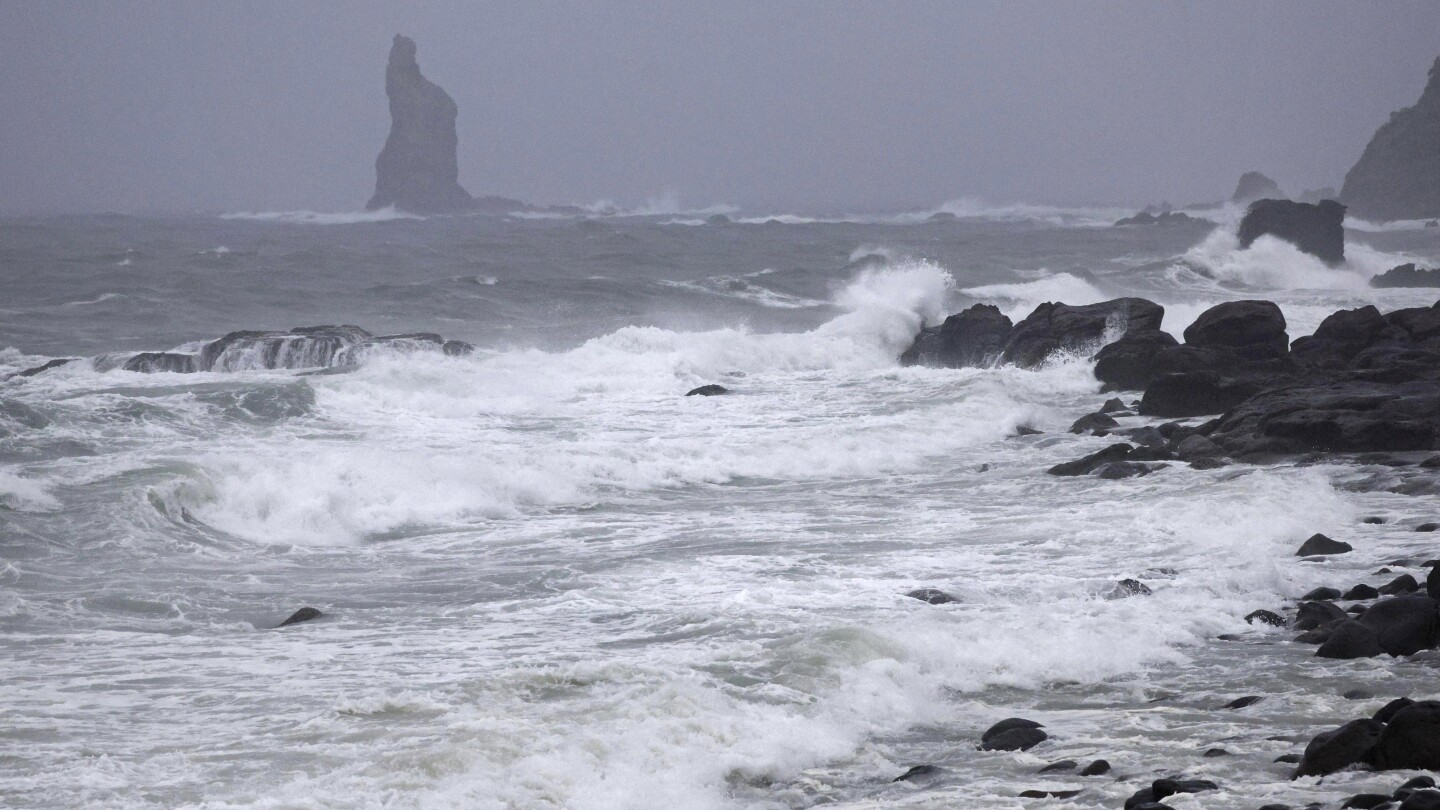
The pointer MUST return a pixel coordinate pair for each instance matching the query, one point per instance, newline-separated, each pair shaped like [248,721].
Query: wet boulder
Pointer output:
[1312,615]
[1254,330]
[1411,739]
[304,614]
[1350,639]
[974,337]
[1402,584]
[1351,414]
[932,596]
[1315,228]
[1130,363]
[1269,617]
[1083,330]
[1320,545]
[1013,734]
[1197,393]
[1339,748]
[1126,588]
[1088,464]
[711,390]
[1404,625]
[1094,424]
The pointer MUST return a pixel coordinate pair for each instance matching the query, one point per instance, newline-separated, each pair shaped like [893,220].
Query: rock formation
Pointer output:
[982,335]
[1255,186]
[1407,275]
[417,169]
[1317,229]
[1398,175]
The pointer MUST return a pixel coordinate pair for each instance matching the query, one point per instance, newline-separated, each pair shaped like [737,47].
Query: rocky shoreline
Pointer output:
[1364,386]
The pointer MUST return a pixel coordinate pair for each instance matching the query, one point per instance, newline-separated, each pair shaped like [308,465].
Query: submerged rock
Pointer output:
[1088,464]
[304,614]
[932,596]
[417,170]
[711,390]
[1398,175]
[1317,229]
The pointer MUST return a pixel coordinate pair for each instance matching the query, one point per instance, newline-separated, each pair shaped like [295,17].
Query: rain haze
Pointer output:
[205,106]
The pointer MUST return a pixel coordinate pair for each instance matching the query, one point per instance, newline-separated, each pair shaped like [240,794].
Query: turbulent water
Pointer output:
[550,580]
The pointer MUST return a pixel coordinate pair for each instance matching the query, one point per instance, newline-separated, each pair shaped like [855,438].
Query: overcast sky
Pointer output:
[222,106]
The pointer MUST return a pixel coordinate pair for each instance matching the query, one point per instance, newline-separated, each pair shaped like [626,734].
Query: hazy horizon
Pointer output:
[156,107]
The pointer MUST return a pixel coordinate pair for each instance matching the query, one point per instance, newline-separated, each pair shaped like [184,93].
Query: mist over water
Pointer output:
[552,580]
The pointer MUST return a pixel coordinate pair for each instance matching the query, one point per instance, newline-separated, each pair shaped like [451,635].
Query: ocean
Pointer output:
[549,579]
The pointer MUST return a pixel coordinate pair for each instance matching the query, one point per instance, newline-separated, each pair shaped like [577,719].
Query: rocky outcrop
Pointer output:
[1255,186]
[305,347]
[1407,275]
[1317,229]
[1398,175]
[1254,330]
[1164,218]
[983,336]
[417,170]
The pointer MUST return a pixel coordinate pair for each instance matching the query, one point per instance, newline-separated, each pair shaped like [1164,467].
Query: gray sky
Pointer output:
[181,106]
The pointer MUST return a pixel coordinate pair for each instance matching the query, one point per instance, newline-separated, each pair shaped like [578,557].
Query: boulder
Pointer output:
[1116,470]
[1319,545]
[710,390]
[1127,588]
[1095,424]
[917,772]
[1269,617]
[1255,330]
[1398,175]
[1197,447]
[1432,583]
[1411,739]
[974,337]
[1340,748]
[1092,462]
[1322,593]
[1099,767]
[418,169]
[304,614]
[1342,336]
[1350,639]
[1013,734]
[1402,584]
[1361,591]
[1242,702]
[932,596]
[1081,329]
[1312,615]
[1198,393]
[1317,229]
[1389,710]
[1255,186]
[1407,275]
[1131,362]
[1404,625]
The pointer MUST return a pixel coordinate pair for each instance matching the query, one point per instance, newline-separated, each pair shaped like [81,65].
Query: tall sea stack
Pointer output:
[417,170]
[1398,176]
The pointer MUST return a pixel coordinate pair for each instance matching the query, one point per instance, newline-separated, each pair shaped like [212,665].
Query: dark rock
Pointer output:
[302,347]
[1162,218]
[1361,591]
[972,338]
[1322,593]
[1366,801]
[1128,587]
[1008,724]
[1400,585]
[1432,583]
[1026,430]
[1404,625]
[711,390]
[1242,702]
[1097,424]
[1112,405]
[46,366]
[1018,739]
[1317,636]
[457,348]
[1254,186]
[1319,545]
[304,614]
[1062,765]
[933,596]
[1049,794]
[1421,800]
[1407,275]
[1194,448]
[1196,393]
[1255,330]
[1150,453]
[1208,463]
[917,772]
[1418,783]
[1398,175]
[1340,748]
[1411,739]
[1317,229]
[1427,527]
[1358,694]
[1350,639]
[1097,768]
[1092,462]
[1342,336]
[1212,753]
[1116,470]
[1265,617]
[1374,521]
[154,362]
[1292,759]
[1389,710]
[1164,788]
[1311,615]
[1083,329]
[417,170]
[1355,610]
[1146,436]
[1130,363]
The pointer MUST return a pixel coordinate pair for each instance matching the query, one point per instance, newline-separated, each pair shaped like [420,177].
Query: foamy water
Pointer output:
[552,580]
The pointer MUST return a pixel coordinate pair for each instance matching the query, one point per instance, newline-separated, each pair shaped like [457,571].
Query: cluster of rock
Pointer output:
[1162,218]
[983,336]
[1407,275]
[305,347]
[1405,734]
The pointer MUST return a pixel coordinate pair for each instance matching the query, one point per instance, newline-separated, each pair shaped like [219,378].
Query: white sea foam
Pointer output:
[323,218]
[25,494]
[1275,264]
[1020,299]
[665,204]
